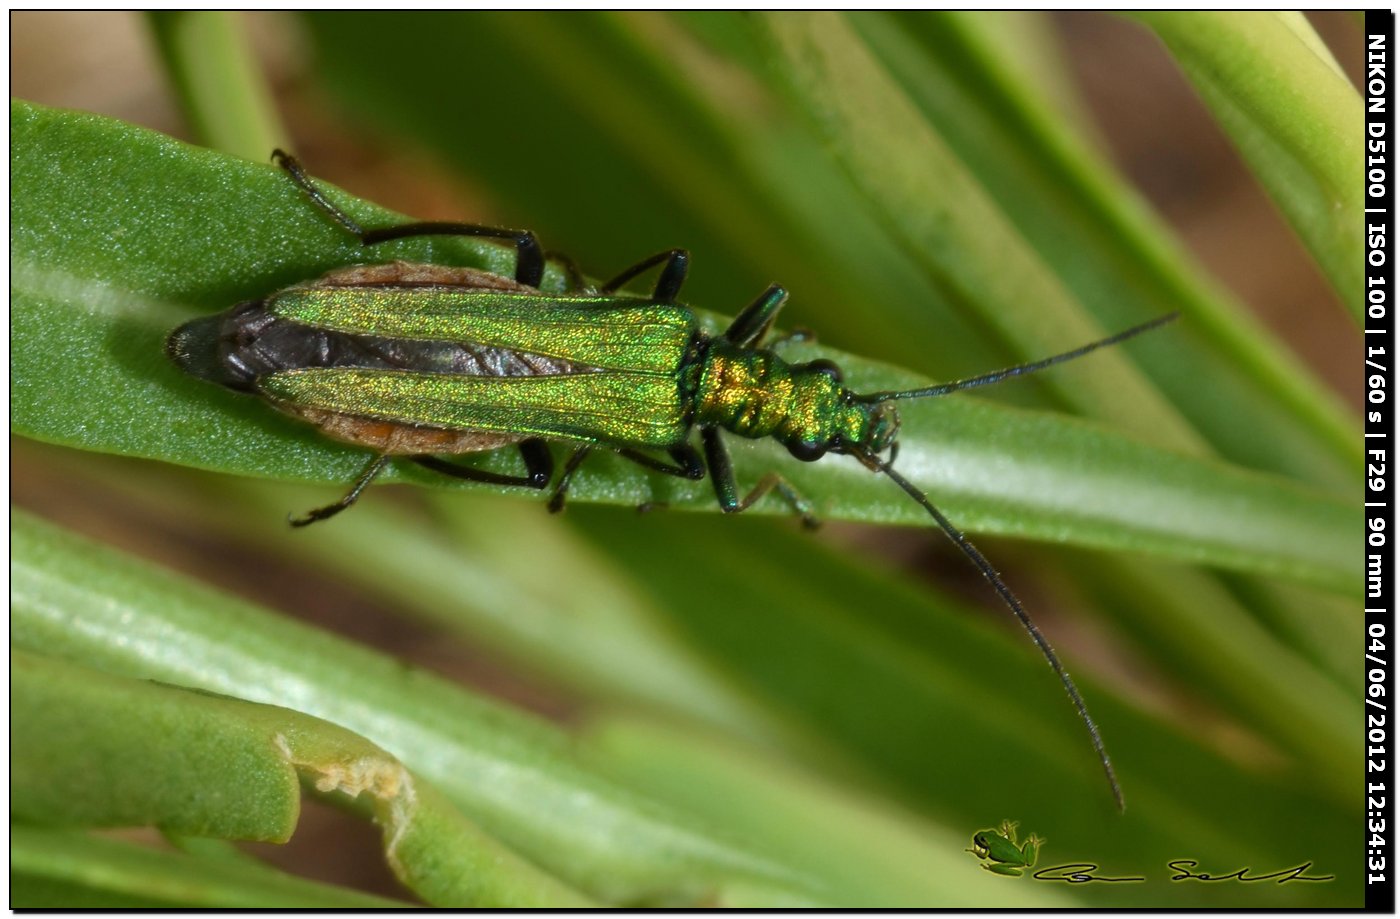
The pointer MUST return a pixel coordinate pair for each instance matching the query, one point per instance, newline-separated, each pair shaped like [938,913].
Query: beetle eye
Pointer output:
[808,450]
[826,368]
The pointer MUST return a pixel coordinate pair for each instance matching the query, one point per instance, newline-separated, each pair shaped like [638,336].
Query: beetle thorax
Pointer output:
[757,394]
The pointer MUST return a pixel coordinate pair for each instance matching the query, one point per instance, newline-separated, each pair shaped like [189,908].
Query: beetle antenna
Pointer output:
[996,376]
[1014,603]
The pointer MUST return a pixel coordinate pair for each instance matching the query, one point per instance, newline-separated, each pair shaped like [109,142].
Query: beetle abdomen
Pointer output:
[399,439]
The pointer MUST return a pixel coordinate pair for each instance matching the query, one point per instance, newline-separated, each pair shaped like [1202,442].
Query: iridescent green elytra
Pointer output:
[422,361]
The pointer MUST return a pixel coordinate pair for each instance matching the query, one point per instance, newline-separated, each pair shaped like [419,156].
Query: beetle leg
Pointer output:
[773,481]
[529,257]
[688,465]
[539,467]
[751,326]
[572,274]
[556,500]
[668,285]
[292,166]
[375,467]
[727,490]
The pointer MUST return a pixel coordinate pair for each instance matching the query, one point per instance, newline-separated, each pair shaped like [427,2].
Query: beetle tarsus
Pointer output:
[375,466]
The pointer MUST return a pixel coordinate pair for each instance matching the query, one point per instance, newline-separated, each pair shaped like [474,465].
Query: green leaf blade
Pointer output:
[89,296]
[1293,116]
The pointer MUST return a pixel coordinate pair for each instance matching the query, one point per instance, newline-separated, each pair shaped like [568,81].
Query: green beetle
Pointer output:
[425,361]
